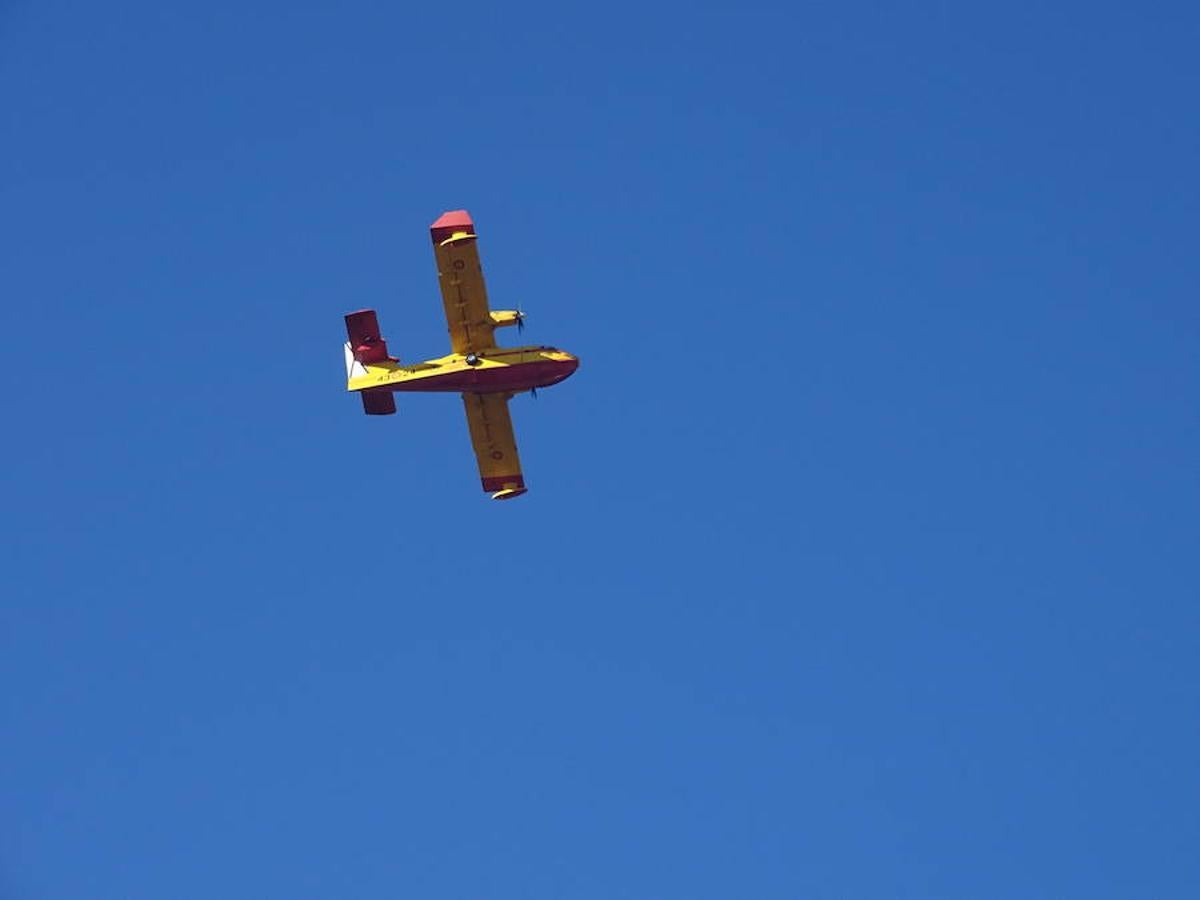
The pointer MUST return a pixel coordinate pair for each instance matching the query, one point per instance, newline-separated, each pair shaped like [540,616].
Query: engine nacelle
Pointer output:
[503,317]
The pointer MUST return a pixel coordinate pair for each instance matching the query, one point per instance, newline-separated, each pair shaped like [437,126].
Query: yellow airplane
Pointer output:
[487,376]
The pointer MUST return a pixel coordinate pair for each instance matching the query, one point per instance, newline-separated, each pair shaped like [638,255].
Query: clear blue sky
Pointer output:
[860,558]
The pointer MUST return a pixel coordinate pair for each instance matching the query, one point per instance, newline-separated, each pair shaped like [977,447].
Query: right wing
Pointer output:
[495,445]
[460,277]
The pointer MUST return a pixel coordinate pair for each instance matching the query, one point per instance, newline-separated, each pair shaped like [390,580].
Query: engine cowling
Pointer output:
[504,317]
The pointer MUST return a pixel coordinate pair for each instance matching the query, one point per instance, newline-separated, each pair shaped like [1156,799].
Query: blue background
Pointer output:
[860,557]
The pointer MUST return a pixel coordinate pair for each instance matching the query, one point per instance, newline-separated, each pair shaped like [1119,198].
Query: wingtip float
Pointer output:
[486,375]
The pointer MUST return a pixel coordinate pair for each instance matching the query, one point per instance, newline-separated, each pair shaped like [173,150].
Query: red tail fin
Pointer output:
[366,344]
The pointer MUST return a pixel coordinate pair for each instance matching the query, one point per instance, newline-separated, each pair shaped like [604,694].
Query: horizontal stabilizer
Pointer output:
[378,403]
[366,344]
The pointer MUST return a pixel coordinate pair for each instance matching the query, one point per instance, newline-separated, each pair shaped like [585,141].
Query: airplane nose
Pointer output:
[564,365]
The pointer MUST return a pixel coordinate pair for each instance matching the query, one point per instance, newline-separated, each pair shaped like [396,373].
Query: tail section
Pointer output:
[366,348]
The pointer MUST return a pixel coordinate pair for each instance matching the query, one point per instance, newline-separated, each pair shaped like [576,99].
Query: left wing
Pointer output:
[494,443]
[460,277]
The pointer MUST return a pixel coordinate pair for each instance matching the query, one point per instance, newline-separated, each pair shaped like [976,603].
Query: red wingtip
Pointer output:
[450,222]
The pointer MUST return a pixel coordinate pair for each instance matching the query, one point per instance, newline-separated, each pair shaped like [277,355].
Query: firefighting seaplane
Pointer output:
[486,375]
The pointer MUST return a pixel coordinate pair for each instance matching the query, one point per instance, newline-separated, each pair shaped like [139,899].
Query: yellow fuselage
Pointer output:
[507,370]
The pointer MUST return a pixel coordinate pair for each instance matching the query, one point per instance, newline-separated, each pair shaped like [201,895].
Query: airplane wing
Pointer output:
[495,446]
[460,277]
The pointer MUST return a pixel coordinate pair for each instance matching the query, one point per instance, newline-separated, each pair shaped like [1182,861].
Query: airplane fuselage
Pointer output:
[506,370]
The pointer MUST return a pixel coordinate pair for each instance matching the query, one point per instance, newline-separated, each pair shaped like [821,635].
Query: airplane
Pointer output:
[485,374]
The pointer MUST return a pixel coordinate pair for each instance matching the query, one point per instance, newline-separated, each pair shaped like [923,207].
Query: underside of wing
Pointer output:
[460,277]
[495,445]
